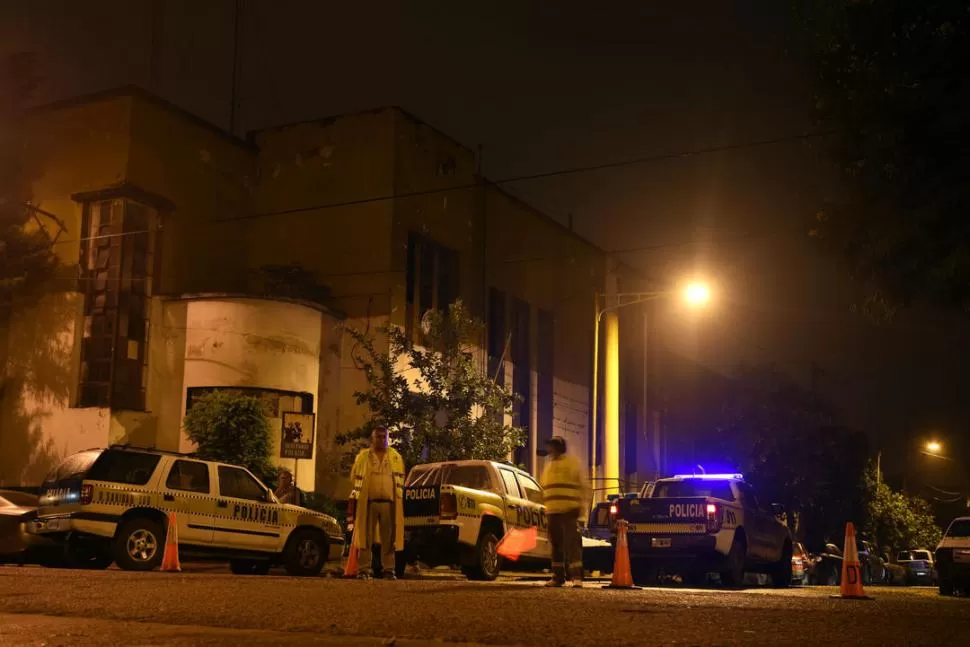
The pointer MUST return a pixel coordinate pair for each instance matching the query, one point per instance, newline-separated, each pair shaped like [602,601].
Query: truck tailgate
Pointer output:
[422,501]
[683,515]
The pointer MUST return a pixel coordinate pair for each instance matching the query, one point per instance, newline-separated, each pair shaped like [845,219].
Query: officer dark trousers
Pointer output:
[567,546]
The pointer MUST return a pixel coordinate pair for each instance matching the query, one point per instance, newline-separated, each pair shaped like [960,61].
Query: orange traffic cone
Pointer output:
[622,576]
[170,558]
[351,569]
[851,587]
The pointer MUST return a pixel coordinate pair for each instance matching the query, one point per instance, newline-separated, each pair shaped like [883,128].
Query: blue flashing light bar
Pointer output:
[739,477]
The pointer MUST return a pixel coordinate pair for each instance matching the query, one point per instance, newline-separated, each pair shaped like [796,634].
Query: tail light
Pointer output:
[448,506]
[614,510]
[713,518]
[87,493]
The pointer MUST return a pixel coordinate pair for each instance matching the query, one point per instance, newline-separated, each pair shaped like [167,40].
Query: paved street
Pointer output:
[61,607]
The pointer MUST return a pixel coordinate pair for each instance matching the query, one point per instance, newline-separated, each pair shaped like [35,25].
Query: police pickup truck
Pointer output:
[112,505]
[455,513]
[695,524]
[953,558]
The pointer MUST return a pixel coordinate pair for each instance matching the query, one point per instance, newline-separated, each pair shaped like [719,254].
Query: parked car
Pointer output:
[953,557]
[801,563]
[919,567]
[827,566]
[874,570]
[16,544]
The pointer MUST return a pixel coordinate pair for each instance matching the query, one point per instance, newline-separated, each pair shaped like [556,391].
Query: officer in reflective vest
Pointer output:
[377,502]
[565,494]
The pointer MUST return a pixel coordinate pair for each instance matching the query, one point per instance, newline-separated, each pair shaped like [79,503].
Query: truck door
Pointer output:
[519,511]
[246,519]
[187,490]
[756,526]
[533,494]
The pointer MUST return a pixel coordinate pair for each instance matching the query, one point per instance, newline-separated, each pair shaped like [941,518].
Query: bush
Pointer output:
[232,428]
[319,502]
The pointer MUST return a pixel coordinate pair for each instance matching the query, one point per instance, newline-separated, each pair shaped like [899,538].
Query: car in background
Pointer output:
[874,569]
[801,563]
[953,557]
[827,566]
[919,567]
[18,546]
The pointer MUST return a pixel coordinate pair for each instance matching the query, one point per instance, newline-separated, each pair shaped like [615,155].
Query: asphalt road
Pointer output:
[62,607]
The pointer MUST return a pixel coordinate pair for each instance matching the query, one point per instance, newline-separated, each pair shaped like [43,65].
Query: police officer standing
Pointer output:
[378,499]
[566,496]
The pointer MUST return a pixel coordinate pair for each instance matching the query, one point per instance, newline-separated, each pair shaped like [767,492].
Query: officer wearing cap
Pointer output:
[565,496]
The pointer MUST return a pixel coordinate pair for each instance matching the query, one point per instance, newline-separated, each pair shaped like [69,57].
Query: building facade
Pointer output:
[197,261]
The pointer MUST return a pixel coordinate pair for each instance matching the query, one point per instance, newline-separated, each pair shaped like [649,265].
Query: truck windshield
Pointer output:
[474,477]
[693,488]
[959,528]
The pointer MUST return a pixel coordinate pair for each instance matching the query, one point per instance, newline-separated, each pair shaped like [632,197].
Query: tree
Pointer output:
[891,77]
[782,437]
[434,397]
[26,258]
[232,428]
[897,520]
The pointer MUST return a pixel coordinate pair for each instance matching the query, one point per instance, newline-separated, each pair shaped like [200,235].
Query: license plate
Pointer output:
[660,542]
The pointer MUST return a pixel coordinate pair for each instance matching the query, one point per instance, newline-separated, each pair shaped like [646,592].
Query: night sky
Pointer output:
[545,86]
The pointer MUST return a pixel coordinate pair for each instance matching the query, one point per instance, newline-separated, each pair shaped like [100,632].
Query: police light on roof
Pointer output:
[739,477]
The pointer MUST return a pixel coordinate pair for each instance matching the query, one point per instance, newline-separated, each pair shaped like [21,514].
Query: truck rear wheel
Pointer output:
[486,559]
[733,573]
[139,544]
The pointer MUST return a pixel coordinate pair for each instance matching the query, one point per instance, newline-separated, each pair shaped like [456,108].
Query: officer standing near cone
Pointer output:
[378,499]
[566,497]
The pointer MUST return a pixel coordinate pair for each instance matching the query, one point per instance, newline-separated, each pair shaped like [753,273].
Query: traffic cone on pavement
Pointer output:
[170,558]
[622,576]
[851,586]
[351,569]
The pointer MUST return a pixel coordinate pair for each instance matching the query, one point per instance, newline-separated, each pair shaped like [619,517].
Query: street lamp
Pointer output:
[934,447]
[695,294]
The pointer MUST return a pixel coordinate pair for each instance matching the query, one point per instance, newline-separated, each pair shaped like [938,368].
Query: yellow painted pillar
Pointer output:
[611,393]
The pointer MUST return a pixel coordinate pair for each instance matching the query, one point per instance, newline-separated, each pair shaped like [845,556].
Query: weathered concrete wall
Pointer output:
[208,176]
[255,343]
[38,427]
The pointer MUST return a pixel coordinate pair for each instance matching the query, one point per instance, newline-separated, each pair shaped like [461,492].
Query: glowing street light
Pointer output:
[697,294]
[934,447]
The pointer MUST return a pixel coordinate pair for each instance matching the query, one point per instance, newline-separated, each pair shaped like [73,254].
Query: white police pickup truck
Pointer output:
[694,524]
[112,505]
[953,557]
[456,512]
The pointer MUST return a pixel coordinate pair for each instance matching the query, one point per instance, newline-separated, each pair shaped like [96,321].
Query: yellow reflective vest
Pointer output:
[361,475]
[564,486]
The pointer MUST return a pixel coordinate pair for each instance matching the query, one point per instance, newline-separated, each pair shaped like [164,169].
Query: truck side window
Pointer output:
[238,484]
[747,494]
[532,490]
[511,487]
[188,476]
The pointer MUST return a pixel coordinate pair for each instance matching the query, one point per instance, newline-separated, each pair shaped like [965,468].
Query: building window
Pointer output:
[432,279]
[275,402]
[522,376]
[117,268]
[545,343]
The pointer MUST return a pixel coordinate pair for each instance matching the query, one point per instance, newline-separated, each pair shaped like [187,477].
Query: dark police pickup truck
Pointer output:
[695,524]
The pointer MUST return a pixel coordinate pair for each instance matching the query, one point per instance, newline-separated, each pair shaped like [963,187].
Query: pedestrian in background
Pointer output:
[286,491]
[566,496]
[377,502]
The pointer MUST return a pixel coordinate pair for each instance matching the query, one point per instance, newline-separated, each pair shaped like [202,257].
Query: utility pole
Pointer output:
[237,22]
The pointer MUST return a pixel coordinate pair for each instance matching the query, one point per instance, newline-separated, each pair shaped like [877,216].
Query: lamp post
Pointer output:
[694,294]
